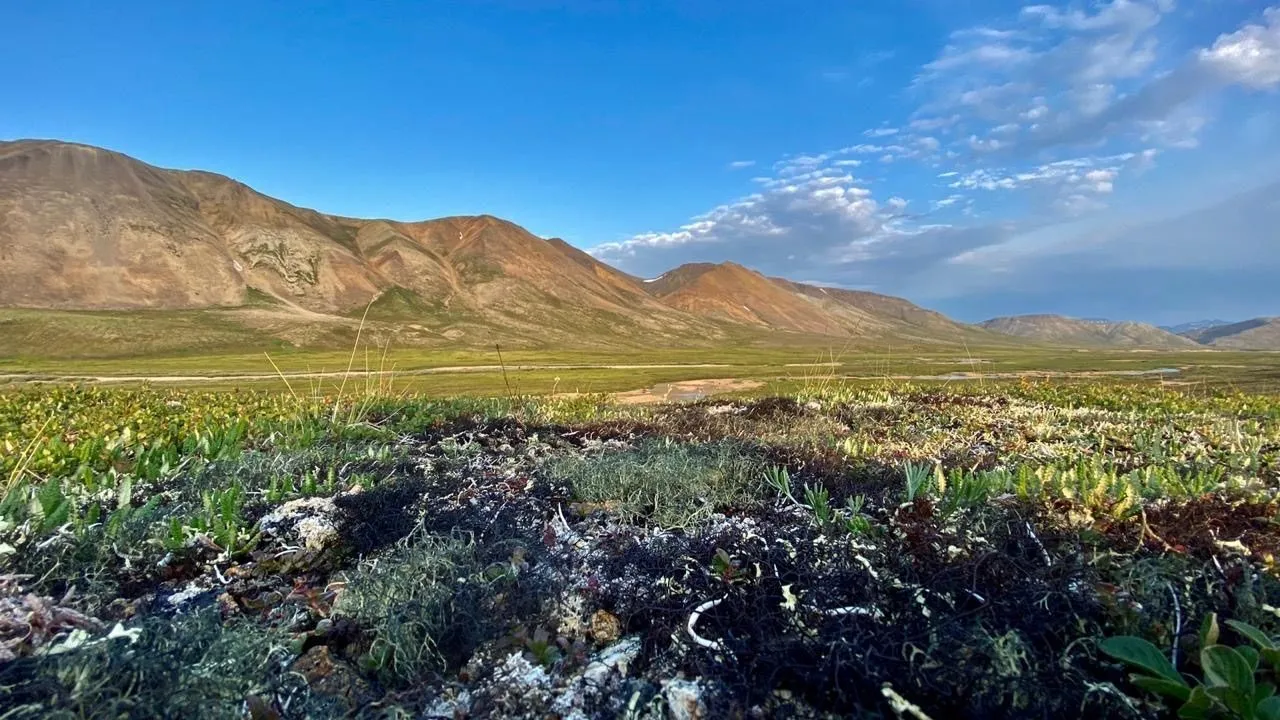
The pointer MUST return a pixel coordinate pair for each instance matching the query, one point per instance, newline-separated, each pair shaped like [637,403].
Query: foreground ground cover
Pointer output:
[957,552]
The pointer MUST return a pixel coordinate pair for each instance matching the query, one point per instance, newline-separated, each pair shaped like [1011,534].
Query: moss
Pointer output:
[419,605]
[667,483]
[186,666]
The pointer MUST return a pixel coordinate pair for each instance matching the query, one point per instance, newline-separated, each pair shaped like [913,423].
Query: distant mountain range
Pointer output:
[87,229]
[1073,331]
[1256,334]
[1193,326]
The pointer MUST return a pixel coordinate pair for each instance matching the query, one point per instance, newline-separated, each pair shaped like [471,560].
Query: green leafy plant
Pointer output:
[918,476]
[819,501]
[223,519]
[51,507]
[855,522]
[777,478]
[724,566]
[1234,684]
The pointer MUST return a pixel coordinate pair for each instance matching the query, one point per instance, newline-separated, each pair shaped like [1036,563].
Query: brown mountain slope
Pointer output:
[83,228]
[1256,334]
[732,293]
[738,294]
[1071,331]
[861,312]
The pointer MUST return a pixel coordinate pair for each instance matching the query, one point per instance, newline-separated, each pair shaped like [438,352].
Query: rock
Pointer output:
[605,627]
[227,605]
[517,688]
[615,658]
[518,672]
[332,676]
[449,707]
[310,522]
[684,699]
[187,594]
[603,677]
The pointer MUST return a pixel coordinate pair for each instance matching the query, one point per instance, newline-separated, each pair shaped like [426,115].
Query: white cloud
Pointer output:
[994,118]
[1180,130]
[1100,181]
[928,144]
[1251,55]
[1061,67]
[984,145]
[1075,182]
[954,57]
[740,164]
[931,124]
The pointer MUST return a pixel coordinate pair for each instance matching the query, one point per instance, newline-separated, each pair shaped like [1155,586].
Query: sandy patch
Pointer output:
[685,390]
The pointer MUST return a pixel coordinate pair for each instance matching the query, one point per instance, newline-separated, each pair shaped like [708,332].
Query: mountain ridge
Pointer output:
[1261,333]
[1062,330]
[86,228]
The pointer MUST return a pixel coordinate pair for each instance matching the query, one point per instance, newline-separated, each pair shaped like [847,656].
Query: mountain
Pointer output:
[88,229]
[732,293]
[1186,328]
[1255,334]
[1071,331]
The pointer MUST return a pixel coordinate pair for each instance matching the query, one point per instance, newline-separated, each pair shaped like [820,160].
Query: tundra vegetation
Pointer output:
[1016,549]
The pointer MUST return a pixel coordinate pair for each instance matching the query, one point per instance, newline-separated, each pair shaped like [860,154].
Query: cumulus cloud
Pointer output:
[1017,127]
[1249,56]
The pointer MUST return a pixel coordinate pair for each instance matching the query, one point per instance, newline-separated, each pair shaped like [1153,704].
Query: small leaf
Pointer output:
[1197,706]
[1263,691]
[1256,636]
[1141,654]
[1250,655]
[1272,657]
[1209,631]
[1268,709]
[1224,667]
[1162,686]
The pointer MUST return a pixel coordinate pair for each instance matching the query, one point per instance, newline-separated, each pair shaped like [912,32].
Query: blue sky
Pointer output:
[979,157]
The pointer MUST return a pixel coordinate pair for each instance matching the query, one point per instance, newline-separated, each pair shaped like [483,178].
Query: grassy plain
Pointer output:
[460,542]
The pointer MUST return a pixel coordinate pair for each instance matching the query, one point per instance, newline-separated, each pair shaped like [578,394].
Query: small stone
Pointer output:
[615,658]
[311,522]
[227,605]
[332,676]
[518,672]
[684,699]
[605,627]
[186,595]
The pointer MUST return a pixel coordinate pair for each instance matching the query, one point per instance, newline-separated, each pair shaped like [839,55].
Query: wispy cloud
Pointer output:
[1020,126]
[741,164]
